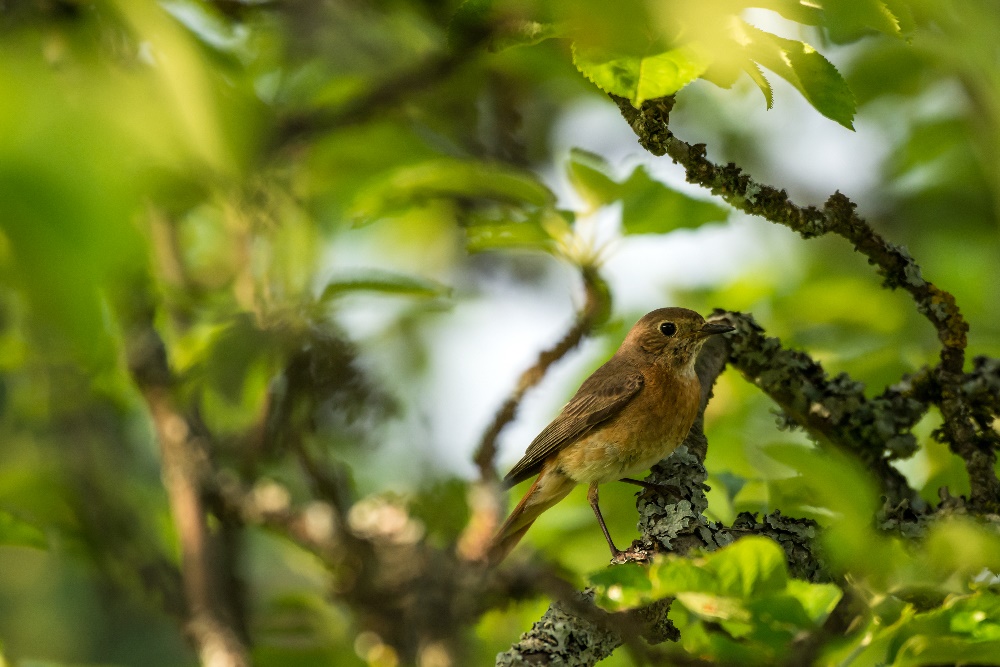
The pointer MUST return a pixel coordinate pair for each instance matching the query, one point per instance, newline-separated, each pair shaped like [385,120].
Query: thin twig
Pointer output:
[594,311]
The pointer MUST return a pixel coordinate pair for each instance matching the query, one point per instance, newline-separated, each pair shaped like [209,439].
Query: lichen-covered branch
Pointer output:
[678,524]
[574,632]
[897,268]
[834,410]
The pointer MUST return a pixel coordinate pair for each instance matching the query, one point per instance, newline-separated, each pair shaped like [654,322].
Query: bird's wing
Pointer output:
[598,399]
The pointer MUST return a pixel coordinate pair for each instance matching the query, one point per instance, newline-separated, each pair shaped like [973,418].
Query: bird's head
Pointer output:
[671,335]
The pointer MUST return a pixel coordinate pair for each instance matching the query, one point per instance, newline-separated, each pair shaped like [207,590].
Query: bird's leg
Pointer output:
[617,555]
[592,497]
[668,491]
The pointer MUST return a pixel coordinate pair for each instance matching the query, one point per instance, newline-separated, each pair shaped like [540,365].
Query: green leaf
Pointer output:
[758,77]
[929,142]
[632,575]
[495,236]
[793,10]
[234,353]
[937,650]
[448,178]
[818,600]
[676,576]
[650,207]
[965,630]
[845,490]
[827,474]
[744,588]
[778,616]
[750,567]
[16,532]
[383,282]
[628,586]
[901,10]
[852,19]
[640,78]
[589,175]
[623,586]
[731,613]
[941,562]
[621,27]
[887,68]
[806,69]
[541,229]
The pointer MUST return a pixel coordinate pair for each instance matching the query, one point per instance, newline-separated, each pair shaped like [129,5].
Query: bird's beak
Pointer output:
[712,328]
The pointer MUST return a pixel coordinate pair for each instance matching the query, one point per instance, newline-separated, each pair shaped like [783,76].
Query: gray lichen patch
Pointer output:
[562,638]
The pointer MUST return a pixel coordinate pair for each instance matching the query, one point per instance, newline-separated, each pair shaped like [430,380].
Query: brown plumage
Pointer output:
[630,413]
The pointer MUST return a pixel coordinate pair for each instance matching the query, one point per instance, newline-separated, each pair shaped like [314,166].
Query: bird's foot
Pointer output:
[633,554]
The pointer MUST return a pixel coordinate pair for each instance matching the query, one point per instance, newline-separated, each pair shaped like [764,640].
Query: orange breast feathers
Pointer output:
[649,428]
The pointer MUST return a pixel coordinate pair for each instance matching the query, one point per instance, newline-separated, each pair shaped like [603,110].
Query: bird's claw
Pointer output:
[631,555]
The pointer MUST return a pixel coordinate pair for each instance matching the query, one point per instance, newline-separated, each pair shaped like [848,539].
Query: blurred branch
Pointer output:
[320,370]
[893,263]
[110,525]
[184,458]
[390,92]
[484,498]
[593,313]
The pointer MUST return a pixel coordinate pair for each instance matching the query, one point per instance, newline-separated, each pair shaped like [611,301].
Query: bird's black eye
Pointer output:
[668,329]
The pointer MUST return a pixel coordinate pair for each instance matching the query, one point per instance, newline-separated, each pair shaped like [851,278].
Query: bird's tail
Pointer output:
[549,488]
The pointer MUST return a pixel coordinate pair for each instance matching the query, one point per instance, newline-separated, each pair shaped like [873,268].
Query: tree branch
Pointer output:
[577,633]
[183,454]
[833,410]
[385,94]
[893,263]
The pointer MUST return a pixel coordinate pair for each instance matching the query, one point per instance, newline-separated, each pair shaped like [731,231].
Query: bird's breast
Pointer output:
[645,431]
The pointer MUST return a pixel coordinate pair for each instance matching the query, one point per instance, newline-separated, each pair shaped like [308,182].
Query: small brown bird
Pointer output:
[630,413]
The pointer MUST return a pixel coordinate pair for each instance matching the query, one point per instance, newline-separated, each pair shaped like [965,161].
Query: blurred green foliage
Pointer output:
[252,175]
